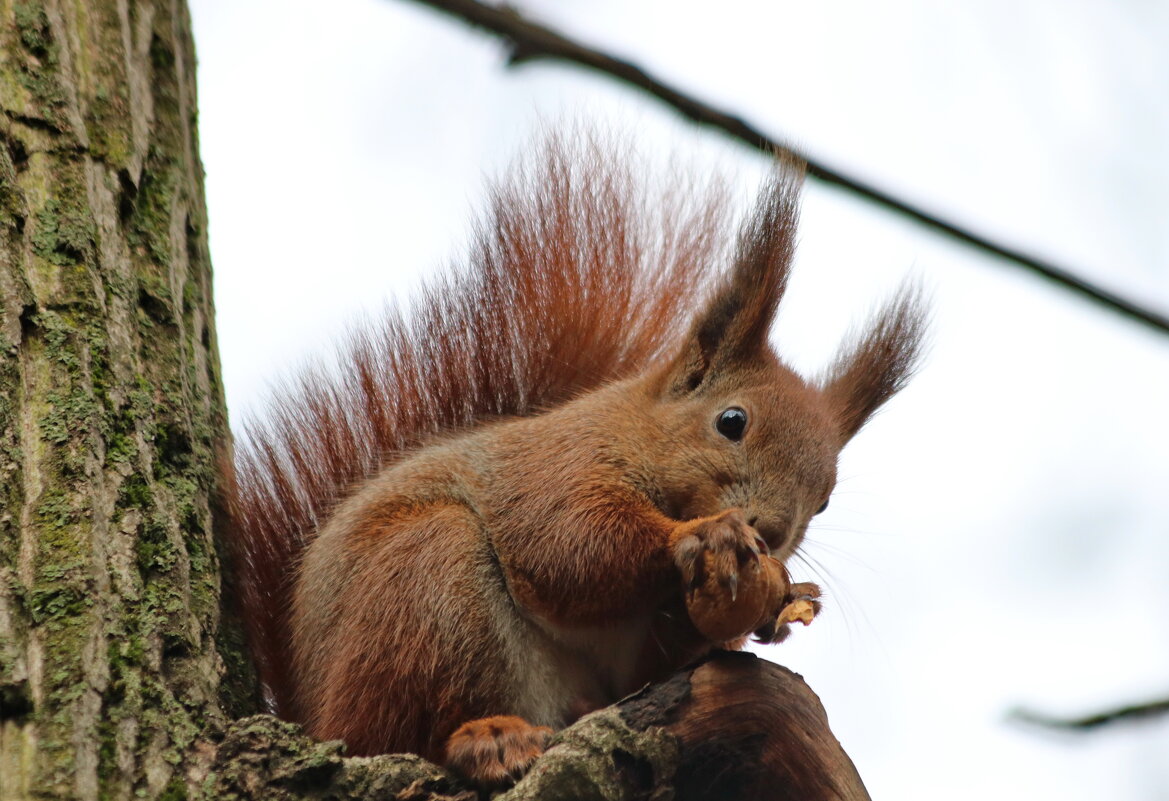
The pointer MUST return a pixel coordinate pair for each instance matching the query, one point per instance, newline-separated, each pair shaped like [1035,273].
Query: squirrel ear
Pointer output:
[874,367]
[733,326]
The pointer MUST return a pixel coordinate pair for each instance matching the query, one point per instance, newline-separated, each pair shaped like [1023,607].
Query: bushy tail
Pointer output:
[576,276]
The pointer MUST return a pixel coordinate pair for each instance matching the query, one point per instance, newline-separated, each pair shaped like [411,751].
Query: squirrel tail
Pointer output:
[576,276]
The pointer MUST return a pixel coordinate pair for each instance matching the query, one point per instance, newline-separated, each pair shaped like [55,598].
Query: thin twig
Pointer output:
[1134,712]
[530,41]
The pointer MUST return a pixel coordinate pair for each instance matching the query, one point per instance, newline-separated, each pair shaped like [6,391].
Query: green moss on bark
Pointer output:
[262,758]
[37,66]
[110,403]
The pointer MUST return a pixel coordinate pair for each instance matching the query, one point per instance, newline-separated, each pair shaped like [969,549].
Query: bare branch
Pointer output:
[1125,713]
[530,41]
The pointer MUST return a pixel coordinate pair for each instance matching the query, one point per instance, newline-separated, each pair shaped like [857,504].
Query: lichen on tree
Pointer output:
[111,410]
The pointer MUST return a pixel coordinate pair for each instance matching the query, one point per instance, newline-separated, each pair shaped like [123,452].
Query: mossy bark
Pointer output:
[112,647]
[729,728]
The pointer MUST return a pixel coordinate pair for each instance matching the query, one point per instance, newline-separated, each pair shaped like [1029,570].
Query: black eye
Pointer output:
[822,508]
[731,423]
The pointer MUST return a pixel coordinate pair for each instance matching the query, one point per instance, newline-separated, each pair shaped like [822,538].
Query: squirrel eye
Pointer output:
[822,508]
[731,423]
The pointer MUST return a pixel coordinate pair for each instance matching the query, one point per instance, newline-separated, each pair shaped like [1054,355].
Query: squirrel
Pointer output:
[575,467]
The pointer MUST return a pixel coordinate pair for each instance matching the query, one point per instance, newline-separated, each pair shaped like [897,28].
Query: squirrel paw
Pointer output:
[731,583]
[494,753]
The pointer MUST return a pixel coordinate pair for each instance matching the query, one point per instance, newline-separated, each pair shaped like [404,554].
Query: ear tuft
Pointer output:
[732,328]
[880,362]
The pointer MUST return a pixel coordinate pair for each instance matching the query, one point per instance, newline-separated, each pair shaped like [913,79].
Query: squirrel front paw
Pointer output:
[494,753]
[732,585]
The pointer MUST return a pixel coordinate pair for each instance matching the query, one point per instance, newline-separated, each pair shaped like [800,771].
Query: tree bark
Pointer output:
[112,648]
[120,673]
[730,727]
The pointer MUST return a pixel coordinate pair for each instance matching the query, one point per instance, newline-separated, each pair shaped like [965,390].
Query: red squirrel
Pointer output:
[576,466]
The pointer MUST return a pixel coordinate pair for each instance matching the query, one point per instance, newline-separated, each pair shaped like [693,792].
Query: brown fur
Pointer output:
[495,751]
[529,562]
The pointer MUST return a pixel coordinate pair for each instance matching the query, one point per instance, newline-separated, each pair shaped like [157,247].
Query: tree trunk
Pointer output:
[111,409]
[119,672]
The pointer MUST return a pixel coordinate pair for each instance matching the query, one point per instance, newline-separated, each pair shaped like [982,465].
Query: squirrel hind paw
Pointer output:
[494,753]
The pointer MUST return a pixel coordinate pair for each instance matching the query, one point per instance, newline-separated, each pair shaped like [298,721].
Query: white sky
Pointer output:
[1001,535]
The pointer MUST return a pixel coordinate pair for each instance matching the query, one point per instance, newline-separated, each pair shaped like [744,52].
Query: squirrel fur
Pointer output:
[575,466]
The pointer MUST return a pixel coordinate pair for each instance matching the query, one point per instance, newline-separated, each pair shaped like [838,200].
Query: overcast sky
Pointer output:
[1000,536]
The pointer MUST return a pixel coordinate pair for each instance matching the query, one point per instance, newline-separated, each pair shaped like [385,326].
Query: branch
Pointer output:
[530,41]
[732,727]
[1126,713]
